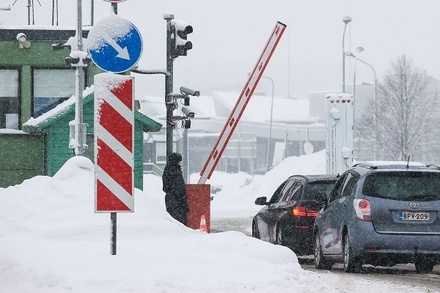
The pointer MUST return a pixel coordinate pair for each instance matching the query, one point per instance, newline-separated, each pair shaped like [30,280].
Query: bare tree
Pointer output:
[407,102]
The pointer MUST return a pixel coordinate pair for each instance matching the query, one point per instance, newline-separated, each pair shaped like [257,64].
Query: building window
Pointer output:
[51,87]
[161,153]
[9,101]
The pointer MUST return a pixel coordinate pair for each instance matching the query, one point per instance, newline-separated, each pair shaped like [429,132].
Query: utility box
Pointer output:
[339,132]
[199,202]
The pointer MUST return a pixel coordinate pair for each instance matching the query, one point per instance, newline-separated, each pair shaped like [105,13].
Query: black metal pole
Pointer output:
[113,216]
[169,89]
[92,12]
[113,237]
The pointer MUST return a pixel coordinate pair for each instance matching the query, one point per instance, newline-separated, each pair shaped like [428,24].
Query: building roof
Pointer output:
[221,104]
[40,33]
[290,116]
[68,107]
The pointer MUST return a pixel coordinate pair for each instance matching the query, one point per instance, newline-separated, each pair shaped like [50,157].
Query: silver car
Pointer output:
[381,213]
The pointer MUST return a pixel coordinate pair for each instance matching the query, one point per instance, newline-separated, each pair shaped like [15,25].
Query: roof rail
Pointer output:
[366,165]
[386,164]
[433,165]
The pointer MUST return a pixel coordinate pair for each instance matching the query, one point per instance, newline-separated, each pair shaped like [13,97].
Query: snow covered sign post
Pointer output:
[115,45]
[115,4]
[241,104]
[114,135]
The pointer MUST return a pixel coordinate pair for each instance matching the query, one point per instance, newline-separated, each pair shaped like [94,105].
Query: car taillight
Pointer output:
[303,212]
[362,208]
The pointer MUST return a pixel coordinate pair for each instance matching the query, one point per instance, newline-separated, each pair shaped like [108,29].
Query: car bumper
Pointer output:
[300,241]
[365,240]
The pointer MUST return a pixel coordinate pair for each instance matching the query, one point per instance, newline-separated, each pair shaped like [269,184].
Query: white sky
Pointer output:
[229,37]
[52,241]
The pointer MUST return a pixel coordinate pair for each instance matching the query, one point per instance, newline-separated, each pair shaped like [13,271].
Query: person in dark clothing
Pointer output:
[173,185]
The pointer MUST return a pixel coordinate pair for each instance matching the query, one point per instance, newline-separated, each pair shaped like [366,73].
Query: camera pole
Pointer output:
[169,88]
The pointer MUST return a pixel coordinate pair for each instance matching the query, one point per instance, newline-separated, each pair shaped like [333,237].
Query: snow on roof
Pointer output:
[40,27]
[259,107]
[152,106]
[221,104]
[58,110]
[203,106]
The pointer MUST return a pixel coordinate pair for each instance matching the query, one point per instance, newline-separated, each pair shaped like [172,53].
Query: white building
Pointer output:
[293,124]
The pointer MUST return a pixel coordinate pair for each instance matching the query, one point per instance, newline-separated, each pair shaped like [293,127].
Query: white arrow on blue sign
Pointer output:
[114,44]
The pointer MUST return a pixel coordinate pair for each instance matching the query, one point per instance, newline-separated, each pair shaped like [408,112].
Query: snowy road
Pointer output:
[400,274]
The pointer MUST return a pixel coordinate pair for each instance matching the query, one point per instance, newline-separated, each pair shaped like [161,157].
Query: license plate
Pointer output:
[414,216]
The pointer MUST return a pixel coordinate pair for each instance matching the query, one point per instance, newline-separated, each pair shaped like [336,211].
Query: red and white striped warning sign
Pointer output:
[114,143]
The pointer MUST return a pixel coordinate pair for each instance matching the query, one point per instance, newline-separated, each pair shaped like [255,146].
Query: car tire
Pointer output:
[351,265]
[423,264]
[255,232]
[321,263]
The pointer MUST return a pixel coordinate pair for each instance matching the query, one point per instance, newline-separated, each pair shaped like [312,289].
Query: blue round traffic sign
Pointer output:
[114,44]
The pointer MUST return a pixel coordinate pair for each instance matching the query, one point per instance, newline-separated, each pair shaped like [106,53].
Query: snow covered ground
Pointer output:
[51,240]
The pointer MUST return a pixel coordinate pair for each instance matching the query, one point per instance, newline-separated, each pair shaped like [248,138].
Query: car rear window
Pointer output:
[313,189]
[406,185]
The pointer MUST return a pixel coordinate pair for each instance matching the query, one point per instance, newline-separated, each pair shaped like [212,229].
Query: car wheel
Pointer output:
[423,265]
[320,261]
[255,232]
[351,265]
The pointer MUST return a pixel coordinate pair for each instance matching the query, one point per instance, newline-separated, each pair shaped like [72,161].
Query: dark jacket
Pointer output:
[174,188]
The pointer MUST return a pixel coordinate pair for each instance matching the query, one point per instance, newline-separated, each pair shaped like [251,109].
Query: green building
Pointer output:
[35,87]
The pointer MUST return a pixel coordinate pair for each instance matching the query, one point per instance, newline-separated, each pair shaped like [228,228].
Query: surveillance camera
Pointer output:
[60,46]
[21,38]
[186,124]
[187,91]
[188,112]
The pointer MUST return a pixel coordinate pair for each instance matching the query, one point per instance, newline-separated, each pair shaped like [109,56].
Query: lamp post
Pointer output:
[346,21]
[270,124]
[360,49]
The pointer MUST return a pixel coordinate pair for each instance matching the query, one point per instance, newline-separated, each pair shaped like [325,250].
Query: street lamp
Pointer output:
[360,49]
[346,21]
[270,125]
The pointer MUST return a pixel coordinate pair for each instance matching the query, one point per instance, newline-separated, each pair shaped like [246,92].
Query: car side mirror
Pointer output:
[261,201]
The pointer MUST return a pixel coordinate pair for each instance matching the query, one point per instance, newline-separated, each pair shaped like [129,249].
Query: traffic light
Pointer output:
[179,36]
